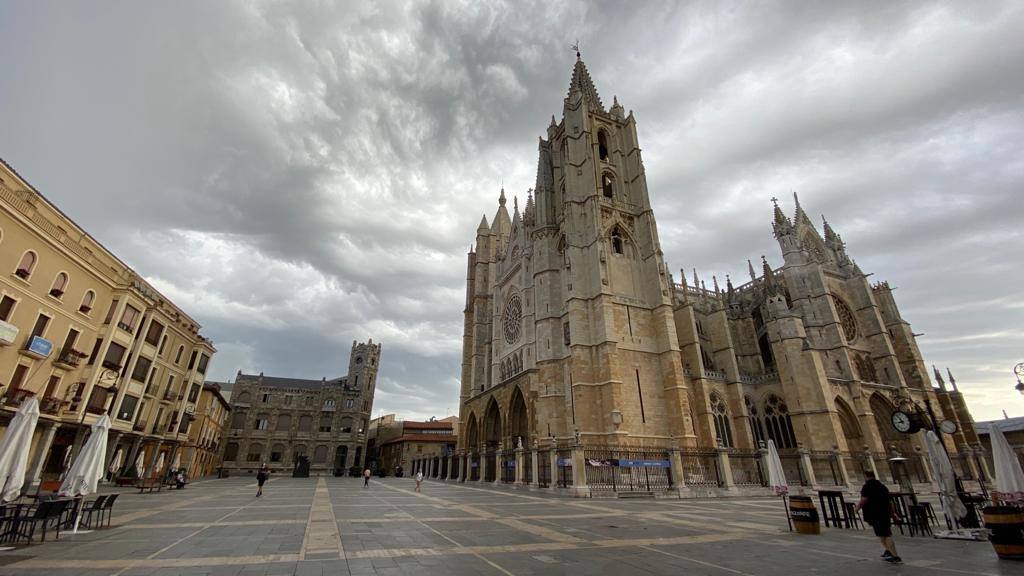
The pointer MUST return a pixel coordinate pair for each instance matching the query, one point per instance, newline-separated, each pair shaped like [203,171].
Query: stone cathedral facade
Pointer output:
[576,333]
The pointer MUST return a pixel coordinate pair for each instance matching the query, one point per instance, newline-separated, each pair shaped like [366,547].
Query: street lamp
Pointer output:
[1018,371]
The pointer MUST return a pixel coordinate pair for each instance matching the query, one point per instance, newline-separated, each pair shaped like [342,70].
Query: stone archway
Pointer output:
[340,460]
[518,420]
[492,426]
[472,443]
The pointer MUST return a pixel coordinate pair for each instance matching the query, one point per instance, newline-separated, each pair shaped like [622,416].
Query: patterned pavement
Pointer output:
[334,526]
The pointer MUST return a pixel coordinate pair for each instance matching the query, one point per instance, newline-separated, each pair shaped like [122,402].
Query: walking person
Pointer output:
[261,478]
[419,480]
[366,478]
[874,500]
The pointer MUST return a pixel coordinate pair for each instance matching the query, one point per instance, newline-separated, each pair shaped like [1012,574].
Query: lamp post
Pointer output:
[1018,371]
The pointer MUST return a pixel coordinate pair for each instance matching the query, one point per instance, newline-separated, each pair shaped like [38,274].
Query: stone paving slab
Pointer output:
[321,526]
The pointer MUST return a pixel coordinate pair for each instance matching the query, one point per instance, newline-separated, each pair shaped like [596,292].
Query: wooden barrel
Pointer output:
[804,515]
[1007,526]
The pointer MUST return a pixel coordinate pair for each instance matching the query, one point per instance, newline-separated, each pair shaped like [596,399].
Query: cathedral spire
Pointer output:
[938,378]
[501,197]
[951,379]
[484,227]
[830,234]
[582,83]
[781,226]
[750,270]
[800,214]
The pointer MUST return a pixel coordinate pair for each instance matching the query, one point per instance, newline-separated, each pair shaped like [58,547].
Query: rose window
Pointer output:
[512,319]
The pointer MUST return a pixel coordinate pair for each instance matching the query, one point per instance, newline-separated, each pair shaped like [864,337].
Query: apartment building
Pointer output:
[87,335]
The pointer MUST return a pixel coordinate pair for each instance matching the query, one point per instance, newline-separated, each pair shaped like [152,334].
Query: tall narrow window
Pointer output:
[26,265]
[617,240]
[60,283]
[177,357]
[602,144]
[69,341]
[755,423]
[723,430]
[87,301]
[6,307]
[18,377]
[777,422]
[128,319]
[608,185]
[110,312]
[163,343]
[40,328]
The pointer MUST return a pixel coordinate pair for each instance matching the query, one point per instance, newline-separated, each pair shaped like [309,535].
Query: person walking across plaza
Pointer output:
[261,478]
[874,500]
[366,478]
[419,480]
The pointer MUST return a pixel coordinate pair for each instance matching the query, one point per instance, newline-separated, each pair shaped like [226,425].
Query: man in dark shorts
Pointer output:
[874,500]
[261,478]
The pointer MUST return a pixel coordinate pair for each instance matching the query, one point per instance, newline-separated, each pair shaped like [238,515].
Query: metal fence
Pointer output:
[826,469]
[700,467]
[528,468]
[564,478]
[474,467]
[543,468]
[627,470]
[491,467]
[793,468]
[508,466]
[746,468]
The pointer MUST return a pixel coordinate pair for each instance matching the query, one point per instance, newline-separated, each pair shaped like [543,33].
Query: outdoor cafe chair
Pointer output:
[108,508]
[93,509]
[47,513]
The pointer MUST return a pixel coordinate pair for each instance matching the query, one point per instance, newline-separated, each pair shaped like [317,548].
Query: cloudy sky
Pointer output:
[297,176]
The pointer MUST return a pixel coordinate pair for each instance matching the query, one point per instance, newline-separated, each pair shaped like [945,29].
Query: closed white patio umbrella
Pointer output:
[942,470]
[140,465]
[159,466]
[1009,481]
[87,470]
[177,462]
[15,448]
[777,477]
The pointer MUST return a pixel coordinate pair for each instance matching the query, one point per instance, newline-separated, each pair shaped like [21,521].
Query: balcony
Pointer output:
[22,273]
[52,405]
[69,358]
[56,293]
[169,395]
[112,366]
[15,397]
[139,426]
[126,327]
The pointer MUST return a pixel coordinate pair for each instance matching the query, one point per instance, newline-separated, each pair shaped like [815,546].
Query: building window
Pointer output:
[617,240]
[128,319]
[329,404]
[141,369]
[6,307]
[115,353]
[320,454]
[777,423]
[26,265]
[261,422]
[607,185]
[284,423]
[203,361]
[153,334]
[238,421]
[170,385]
[19,376]
[163,343]
[127,409]
[110,312]
[193,393]
[192,359]
[276,452]
[42,321]
[231,452]
[60,284]
[755,423]
[305,423]
[346,424]
[325,424]
[255,453]
[288,400]
[266,398]
[602,145]
[177,357]
[349,403]
[723,431]
[87,301]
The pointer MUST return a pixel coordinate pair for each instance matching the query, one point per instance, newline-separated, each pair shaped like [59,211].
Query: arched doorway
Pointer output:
[340,460]
[492,440]
[518,421]
[472,434]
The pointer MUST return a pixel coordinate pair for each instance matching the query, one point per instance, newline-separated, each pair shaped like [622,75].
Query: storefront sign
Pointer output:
[40,346]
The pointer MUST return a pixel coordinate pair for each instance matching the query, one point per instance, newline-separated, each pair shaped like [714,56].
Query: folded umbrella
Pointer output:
[15,448]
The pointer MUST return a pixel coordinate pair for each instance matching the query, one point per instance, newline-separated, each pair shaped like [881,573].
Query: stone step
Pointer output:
[645,495]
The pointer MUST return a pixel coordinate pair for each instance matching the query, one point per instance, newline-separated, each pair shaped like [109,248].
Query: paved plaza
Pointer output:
[322,526]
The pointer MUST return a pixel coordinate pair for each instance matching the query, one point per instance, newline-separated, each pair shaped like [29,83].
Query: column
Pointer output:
[579,472]
[869,458]
[112,442]
[133,453]
[805,463]
[980,458]
[553,460]
[725,469]
[925,466]
[481,471]
[535,466]
[35,472]
[520,464]
[675,459]
[844,477]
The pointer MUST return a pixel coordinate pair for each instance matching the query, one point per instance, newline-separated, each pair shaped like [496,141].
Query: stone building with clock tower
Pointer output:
[577,335]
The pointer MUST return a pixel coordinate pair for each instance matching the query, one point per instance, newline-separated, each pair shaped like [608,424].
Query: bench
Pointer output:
[149,484]
[125,480]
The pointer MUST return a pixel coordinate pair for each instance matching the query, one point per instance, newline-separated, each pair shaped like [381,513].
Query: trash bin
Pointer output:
[804,515]
[1007,526]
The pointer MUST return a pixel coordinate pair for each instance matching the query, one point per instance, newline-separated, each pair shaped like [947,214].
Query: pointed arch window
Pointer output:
[755,422]
[87,302]
[26,265]
[778,425]
[617,240]
[607,185]
[602,145]
[60,283]
[723,431]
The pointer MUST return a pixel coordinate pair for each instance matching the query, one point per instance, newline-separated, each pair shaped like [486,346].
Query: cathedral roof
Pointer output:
[581,81]
[278,382]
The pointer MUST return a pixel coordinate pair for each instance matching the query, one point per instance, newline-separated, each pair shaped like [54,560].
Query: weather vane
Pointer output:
[576,47]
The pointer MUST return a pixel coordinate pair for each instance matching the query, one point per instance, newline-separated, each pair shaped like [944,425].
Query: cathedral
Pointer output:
[584,361]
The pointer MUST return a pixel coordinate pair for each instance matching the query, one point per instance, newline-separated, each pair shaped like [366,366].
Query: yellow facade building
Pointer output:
[203,449]
[86,335]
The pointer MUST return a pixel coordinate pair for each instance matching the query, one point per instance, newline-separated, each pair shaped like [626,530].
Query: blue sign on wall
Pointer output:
[643,463]
[41,346]
[564,462]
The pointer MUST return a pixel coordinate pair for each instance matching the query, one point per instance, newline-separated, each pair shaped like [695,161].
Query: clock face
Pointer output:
[948,426]
[901,422]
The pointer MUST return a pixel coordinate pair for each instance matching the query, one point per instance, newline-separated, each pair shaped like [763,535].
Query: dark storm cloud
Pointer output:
[319,169]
